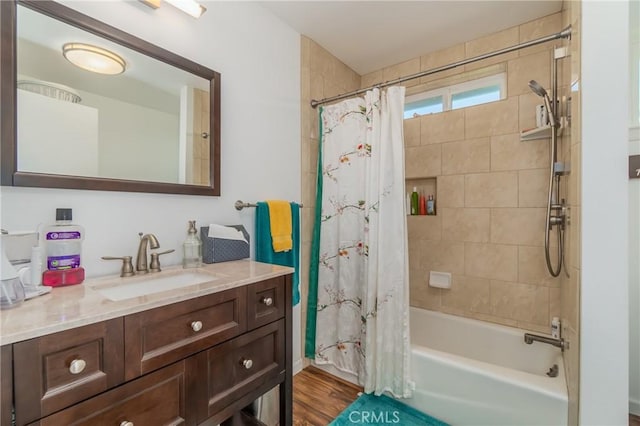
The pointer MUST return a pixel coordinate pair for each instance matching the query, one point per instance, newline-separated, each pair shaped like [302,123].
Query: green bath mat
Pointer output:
[381,410]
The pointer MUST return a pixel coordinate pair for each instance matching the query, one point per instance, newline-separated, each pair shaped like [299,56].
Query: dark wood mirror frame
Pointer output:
[10,176]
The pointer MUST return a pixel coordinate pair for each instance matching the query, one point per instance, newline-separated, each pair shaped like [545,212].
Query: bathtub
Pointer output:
[469,372]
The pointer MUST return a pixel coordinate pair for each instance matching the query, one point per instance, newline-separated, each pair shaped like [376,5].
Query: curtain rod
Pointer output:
[566,33]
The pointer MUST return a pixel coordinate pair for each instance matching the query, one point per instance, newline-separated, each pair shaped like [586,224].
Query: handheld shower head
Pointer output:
[539,90]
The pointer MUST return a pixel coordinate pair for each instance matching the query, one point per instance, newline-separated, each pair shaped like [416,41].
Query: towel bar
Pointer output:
[239,205]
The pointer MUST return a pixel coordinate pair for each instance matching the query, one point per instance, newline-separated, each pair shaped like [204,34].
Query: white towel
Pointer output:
[226,233]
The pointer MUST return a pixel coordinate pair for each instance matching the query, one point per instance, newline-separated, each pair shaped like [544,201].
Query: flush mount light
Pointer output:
[93,58]
[190,7]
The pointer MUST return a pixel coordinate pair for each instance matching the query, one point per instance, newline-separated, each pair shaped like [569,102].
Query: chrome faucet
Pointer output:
[530,338]
[141,261]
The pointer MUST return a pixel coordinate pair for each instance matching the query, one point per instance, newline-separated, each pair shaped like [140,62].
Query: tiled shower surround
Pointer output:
[491,187]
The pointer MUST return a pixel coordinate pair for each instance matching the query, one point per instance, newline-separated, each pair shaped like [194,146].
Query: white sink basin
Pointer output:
[151,284]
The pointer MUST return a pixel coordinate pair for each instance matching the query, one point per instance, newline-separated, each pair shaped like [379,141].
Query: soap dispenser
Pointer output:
[192,248]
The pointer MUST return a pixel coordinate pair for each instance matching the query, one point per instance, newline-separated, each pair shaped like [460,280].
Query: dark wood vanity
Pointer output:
[195,362]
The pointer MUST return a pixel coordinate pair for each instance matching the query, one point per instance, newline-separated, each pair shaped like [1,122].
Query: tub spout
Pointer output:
[530,338]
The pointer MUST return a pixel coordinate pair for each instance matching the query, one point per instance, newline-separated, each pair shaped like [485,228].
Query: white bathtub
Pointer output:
[469,372]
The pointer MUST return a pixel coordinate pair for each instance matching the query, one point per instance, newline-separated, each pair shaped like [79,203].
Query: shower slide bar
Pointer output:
[566,33]
[239,205]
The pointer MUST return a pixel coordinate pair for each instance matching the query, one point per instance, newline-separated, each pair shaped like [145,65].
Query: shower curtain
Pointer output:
[358,310]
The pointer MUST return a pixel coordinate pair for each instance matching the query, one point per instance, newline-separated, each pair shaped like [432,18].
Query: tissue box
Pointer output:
[216,250]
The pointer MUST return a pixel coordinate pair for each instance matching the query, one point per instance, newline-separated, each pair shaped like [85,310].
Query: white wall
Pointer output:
[56,136]
[604,321]
[259,59]
[135,142]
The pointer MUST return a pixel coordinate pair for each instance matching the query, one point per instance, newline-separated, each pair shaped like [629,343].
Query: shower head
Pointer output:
[539,90]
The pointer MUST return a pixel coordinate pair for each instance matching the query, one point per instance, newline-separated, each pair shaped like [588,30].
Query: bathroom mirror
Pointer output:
[149,121]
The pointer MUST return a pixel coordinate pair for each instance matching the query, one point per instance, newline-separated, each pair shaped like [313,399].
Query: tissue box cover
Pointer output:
[216,250]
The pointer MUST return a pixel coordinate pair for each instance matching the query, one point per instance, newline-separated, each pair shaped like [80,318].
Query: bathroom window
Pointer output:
[475,92]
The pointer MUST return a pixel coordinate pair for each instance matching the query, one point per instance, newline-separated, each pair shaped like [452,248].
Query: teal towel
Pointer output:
[264,247]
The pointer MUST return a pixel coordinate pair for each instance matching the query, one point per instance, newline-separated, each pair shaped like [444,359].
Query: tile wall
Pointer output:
[491,187]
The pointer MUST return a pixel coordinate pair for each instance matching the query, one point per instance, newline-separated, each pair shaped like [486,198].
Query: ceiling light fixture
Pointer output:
[93,58]
[190,7]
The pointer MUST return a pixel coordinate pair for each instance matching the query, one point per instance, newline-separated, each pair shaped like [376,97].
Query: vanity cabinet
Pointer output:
[199,361]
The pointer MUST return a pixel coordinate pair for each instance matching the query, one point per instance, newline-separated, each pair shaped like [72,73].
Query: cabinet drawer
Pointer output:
[161,336]
[237,367]
[55,371]
[6,385]
[265,302]
[154,399]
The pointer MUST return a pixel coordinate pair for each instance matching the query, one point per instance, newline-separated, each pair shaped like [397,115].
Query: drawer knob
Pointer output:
[196,325]
[267,301]
[247,363]
[77,366]
[126,423]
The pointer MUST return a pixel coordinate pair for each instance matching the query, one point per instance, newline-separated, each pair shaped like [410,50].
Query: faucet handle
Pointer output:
[127,266]
[155,260]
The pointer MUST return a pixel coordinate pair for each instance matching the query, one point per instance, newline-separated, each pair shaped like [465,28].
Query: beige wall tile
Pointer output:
[370,79]
[495,118]
[520,71]
[321,60]
[412,132]
[443,127]
[532,267]
[523,226]
[403,69]
[424,227]
[440,58]
[554,303]
[521,302]
[491,189]
[539,28]
[493,261]
[468,294]
[467,156]
[420,294]
[490,43]
[527,110]
[533,188]
[317,86]
[423,161]
[574,176]
[492,318]
[450,191]
[414,253]
[509,153]
[442,256]
[464,224]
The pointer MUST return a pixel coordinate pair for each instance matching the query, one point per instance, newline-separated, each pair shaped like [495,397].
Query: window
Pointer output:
[469,93]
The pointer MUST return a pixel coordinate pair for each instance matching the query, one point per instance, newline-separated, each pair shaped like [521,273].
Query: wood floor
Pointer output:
[634,420]
[319,397]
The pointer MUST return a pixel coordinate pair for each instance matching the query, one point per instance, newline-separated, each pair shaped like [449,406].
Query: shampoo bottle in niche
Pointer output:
[414,201]
[431,206]
[192,248]
[63,248]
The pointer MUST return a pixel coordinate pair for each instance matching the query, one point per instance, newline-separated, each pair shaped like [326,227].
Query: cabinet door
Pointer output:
[155,399]
[236,368]
[55,371]
[160,336]
[6,385]
[265,302]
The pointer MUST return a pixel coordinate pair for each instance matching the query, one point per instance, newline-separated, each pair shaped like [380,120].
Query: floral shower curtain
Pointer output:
[358,311]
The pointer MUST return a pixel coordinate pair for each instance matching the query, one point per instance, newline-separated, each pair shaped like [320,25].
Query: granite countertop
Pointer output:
[77,305]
